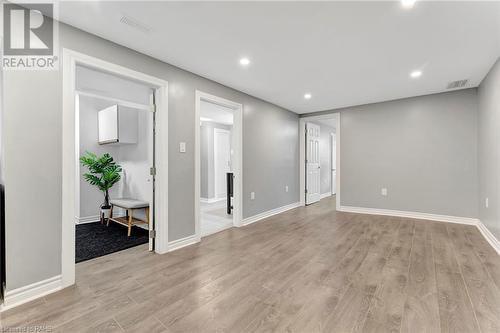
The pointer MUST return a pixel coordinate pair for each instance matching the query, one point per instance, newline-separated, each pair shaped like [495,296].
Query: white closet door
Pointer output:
[313,192]
[222,160]
[334,164]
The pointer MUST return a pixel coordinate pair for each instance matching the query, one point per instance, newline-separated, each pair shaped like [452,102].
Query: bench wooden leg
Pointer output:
[130,213]
[110,216]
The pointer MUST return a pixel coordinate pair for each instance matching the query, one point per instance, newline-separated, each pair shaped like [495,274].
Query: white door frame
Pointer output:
[237,157]
[333,138]
[220,130]
[302,154]
[70,152]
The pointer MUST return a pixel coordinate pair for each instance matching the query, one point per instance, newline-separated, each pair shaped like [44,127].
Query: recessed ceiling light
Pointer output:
[416,74]
[408,3]
[244,61]
[307,96]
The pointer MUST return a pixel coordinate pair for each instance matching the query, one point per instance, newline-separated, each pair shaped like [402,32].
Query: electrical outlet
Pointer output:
[252,195]
[487,202]
[286,188]
[182,147]
[384,192]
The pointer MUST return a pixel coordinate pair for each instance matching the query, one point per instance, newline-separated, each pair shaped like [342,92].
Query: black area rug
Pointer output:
[95,239]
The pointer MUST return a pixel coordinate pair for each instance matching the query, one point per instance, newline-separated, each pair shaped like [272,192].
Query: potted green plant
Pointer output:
[103,173]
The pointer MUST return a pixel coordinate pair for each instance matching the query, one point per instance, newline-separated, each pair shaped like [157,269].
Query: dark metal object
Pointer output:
[229,191]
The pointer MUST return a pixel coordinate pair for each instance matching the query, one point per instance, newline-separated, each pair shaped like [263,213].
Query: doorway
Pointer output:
[125,124]
[116,144]
[319,156]
[218,161]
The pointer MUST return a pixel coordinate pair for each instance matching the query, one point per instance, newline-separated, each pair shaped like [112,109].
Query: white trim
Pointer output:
[31,292]
[494,242]
[302,154]
[269,213]
[412,215]
[237,158]
[183,242]
[70,163]
[92,219]
[87,219]
[211,200]
[325,195]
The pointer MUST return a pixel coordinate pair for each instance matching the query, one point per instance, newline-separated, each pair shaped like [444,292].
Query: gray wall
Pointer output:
[207,179]
[422,149]
[33,132]
[270,157]
[489,150]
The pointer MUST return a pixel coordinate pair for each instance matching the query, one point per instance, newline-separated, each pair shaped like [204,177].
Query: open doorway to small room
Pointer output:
[216,126]
[129,108]
[218,167]
[116,148]
[319,151]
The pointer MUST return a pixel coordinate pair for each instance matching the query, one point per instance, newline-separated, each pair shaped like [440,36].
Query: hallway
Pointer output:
[306,270]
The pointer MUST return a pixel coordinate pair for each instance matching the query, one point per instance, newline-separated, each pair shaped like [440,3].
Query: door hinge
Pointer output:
[305,191]
[152,108]
[152,233]
[152,171]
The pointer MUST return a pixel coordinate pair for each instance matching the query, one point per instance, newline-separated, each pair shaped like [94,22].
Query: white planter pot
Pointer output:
[105,212]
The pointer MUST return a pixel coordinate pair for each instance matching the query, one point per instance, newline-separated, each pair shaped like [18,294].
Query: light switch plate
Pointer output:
[182,147]
[384,192]
[252,195]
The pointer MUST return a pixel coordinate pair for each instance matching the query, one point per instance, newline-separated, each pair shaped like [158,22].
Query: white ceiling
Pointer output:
[331,122]
[343,53]
[215,113]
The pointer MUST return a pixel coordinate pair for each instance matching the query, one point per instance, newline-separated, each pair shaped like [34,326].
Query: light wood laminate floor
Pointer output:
[310,269]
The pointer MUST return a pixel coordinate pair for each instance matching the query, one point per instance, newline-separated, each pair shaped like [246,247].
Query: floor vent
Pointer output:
[457,84]
[135,24]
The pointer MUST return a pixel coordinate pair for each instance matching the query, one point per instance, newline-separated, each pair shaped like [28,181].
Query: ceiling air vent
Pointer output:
[457,84]
[135,24]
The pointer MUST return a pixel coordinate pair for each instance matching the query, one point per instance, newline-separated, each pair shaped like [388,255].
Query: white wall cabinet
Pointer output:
[117,125]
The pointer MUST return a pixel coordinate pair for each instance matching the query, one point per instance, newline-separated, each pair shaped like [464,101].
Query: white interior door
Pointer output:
[222,160]
[334,164]
[313,177]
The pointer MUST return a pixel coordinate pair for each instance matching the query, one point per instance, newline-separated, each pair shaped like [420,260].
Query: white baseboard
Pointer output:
[96,218]
[31,292]
[325,195]
[211,200]
[494,242]
[87,219]
[412,215]
[269,213]
[183,242]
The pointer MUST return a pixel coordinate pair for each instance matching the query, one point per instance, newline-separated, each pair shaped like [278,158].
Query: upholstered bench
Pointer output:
[129,205]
